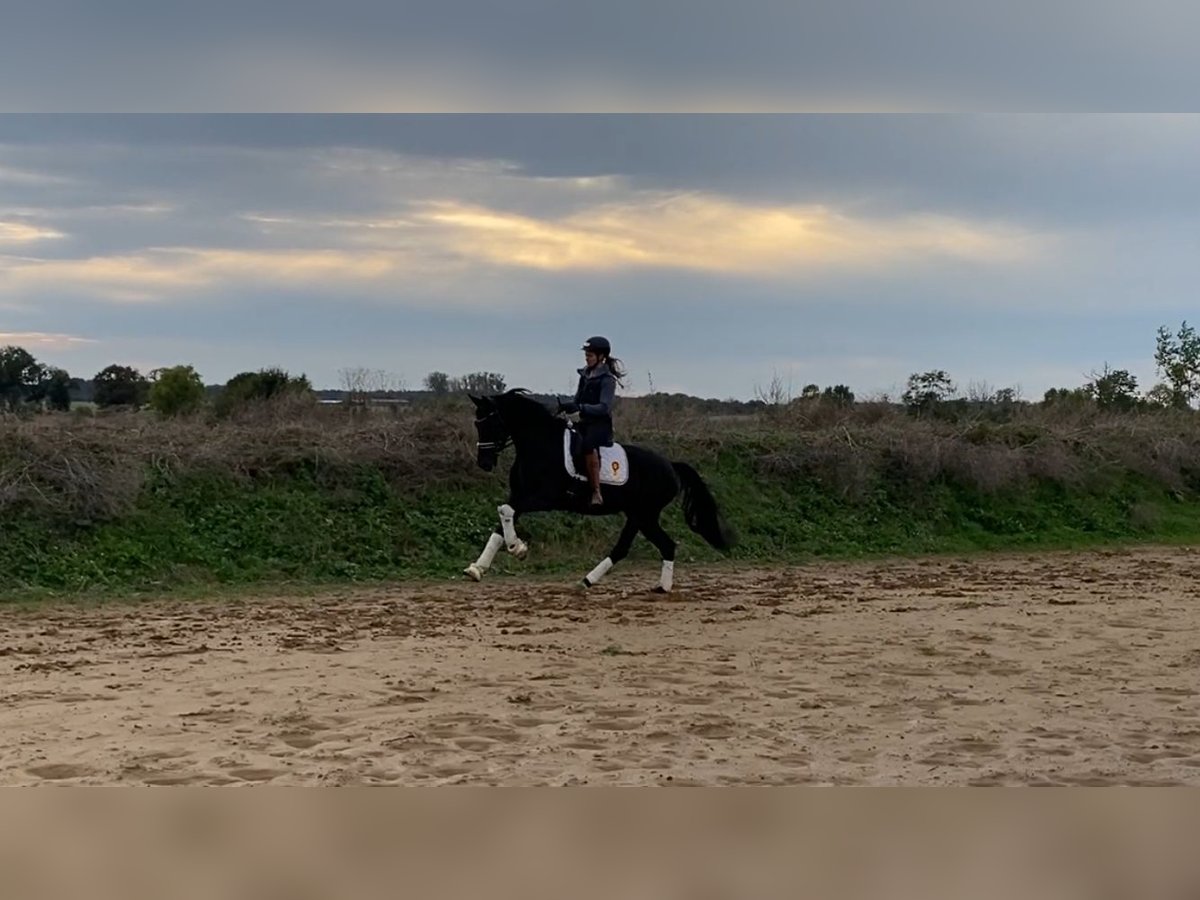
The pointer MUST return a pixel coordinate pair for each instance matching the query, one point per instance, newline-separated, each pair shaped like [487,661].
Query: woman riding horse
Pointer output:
[539,481]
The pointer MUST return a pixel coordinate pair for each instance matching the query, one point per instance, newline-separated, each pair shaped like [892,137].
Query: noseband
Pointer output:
[492,445]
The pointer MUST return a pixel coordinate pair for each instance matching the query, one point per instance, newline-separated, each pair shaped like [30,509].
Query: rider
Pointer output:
[593,401]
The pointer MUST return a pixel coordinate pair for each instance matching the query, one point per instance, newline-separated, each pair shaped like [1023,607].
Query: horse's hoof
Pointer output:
[474,572]
[659,589]
[519,550]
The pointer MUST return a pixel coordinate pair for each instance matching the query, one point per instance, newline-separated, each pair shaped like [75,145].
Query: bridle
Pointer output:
[496,446]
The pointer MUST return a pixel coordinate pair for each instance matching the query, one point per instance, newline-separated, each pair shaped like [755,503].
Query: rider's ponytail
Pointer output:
[617,368]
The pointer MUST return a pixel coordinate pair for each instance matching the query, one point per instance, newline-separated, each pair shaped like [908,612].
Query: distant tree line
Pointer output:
[1176,358]
[441,383]
[27,384]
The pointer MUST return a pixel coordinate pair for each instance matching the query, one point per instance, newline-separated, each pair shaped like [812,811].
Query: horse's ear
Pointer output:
[478,403]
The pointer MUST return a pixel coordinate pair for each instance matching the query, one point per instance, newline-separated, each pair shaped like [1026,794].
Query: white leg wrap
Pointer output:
[668,576]
[599,572]
[481,565]
[516,546]
[506,522]
[495,542]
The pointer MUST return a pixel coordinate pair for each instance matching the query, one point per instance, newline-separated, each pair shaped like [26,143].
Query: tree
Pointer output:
[1113,389]
[839,394]
[926,390]
[810,392]
[265,384]
[479,383]
[359,383]
[58,390]
[1161,396]
[176,390]
[1065,397]
[437,382]
[1178,359]
[21,377]
[274,382]
[776,393]
[120,386]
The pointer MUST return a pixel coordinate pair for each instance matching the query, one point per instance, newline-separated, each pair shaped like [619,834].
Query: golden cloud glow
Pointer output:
[715,235]
[41,339]
[20,233]
[156,274]
[689,232]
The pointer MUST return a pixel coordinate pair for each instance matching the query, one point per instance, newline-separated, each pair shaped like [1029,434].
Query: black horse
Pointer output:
[636,482]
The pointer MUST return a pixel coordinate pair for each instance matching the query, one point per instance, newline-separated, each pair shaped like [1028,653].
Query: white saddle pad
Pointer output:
[614,464]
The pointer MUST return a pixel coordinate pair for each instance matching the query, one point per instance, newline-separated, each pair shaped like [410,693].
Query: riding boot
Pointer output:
[593,472]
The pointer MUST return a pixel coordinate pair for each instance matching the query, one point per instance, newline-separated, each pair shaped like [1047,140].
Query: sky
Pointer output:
[716,252]
[733,193]
[615,56]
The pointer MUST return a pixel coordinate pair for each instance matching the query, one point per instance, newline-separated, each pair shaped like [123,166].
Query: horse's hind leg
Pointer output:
[619,551]
[666,547]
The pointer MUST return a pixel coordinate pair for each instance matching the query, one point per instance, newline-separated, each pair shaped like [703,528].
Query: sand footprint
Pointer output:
[59,771]
[251,773]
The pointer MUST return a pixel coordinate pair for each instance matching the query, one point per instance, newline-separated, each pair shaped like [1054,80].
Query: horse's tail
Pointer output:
[700,509]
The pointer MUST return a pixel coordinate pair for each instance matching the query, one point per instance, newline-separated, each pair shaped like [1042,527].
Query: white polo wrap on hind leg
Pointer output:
[667,581]
[599,572]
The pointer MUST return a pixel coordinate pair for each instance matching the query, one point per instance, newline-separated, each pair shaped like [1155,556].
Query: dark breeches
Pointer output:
[594,435]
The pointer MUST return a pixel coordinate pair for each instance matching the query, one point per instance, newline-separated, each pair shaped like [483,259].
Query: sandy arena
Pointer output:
[1075,669]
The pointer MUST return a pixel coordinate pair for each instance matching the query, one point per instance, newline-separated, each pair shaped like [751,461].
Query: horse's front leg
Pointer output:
[477,569]
[504,536]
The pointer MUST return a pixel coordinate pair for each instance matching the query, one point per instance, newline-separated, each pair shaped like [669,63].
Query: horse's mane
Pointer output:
[523,403]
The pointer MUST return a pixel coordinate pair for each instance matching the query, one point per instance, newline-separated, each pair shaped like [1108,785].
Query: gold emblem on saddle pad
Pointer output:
[616,467]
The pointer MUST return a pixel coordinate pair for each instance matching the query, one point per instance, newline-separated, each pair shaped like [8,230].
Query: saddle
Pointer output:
[614,463]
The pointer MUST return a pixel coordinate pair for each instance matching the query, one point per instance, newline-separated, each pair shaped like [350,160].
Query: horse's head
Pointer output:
[513,417]
[491,433]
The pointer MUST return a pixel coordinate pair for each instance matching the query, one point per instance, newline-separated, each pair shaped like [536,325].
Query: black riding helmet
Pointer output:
[597,345]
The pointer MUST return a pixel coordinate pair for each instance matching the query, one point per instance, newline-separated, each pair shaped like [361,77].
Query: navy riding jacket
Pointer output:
[595,394]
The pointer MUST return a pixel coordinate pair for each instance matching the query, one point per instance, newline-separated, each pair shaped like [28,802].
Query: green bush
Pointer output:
[176,391]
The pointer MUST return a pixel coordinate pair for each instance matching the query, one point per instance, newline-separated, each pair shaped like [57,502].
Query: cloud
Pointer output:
[104,211]
[624,54]
[391,227]
[42,339]
[159,273]
[21,233]
[690,232]
[12,175]
[714,234]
